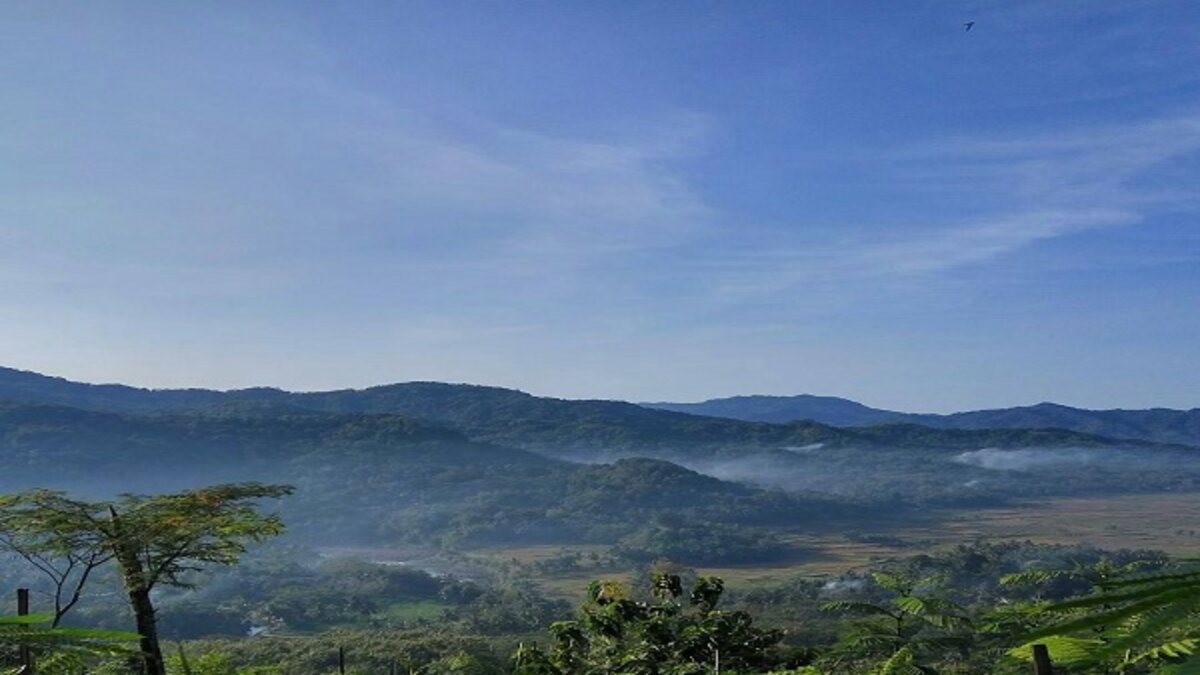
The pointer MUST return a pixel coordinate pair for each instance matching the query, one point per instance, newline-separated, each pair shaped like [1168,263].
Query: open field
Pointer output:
[1169,522]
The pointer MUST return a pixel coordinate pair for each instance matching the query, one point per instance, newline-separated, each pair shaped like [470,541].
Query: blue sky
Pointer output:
[663,200]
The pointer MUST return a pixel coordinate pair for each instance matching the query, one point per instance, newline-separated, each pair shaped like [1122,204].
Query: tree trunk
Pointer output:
[147,627]
[133,575]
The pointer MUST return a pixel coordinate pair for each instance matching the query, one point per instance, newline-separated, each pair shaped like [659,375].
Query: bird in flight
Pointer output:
[969,25]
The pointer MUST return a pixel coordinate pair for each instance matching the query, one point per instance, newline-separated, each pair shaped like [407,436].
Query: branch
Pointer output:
[96,560]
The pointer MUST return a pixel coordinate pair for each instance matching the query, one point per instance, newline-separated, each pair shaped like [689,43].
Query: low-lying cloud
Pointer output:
[1029,458]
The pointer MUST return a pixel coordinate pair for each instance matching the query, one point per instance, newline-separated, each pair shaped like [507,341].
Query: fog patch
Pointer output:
[1026,459]
[791,472]
[844,585]
[802,449]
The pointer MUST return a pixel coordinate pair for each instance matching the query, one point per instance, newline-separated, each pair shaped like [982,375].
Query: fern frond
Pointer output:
[855,607]
[1033,577]
[1176,649]
[1192,576]
[892,582]
[1153,625]
[1064,649]
[1137,594]
[1112,616]
[903,662]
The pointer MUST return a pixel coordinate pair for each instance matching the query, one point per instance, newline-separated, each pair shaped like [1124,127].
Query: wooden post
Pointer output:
[23,610]
[1041,661]
[342,660]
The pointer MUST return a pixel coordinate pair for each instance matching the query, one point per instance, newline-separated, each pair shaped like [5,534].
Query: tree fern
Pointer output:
[1149,618]
[910,626]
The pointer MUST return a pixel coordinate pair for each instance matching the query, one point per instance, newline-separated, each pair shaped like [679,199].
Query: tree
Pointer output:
[154,540]
[911,625]
[616,634]
[44,528]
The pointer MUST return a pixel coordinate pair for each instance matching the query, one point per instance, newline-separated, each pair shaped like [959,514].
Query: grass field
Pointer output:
[1168,522]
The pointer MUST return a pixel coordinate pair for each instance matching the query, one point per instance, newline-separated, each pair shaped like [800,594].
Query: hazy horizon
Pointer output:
[542,394]
[645,202]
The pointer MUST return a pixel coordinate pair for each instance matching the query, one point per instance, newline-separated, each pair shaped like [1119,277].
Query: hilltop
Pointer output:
[507,416]
[1160,425]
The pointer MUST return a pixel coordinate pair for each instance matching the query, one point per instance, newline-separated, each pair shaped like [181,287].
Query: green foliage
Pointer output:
[154,540]
[912,627]
[424,652]
[40,527]
[700,544]
[62,650]
[179,533]
[518,608]
[1139,618]
[615,633]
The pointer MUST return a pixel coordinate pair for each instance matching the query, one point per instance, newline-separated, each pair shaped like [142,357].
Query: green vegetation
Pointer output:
[153,540]
[56,650]
[911,627]
[366,479]
[1128,622]
[617,634]
[970,610]
[446,528]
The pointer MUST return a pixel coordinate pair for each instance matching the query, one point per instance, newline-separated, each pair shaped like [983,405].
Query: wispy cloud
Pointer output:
[535,195]
[994,197]
[981,241]
[358,185]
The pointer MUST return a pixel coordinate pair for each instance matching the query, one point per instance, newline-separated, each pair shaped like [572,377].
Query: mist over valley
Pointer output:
[436,464]
[446,337]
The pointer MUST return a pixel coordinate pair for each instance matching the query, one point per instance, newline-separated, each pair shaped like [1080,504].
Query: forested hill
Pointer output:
[372,476]
[56,445]
[514,418]
[377,479]
[1160,425]
[839,412]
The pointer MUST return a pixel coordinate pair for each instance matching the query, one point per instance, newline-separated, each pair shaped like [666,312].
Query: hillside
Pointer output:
[99,452]
[379,479]
[659,484]
[453,462]
[1159,425]
[839,412]
[575,428]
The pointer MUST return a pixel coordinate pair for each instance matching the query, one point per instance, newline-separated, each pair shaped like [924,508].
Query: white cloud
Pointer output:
[996,197]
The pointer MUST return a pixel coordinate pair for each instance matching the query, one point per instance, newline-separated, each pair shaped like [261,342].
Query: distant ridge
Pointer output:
[554,426]
[839,412]
[1160,425]
[424,461]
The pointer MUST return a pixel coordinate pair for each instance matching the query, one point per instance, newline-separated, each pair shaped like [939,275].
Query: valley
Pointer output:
[425,507]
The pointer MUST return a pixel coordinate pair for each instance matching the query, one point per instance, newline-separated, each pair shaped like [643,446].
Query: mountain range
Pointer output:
[457,464]
[1161,425]
[556,426]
